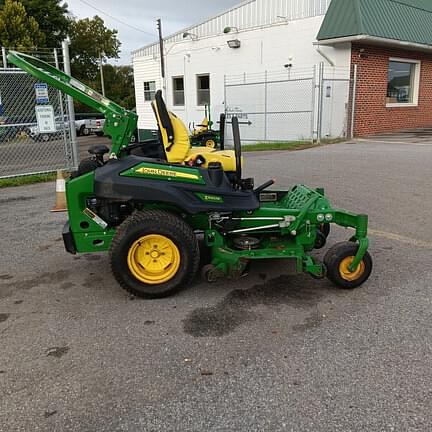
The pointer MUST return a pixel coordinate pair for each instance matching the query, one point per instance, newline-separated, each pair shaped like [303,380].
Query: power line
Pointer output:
[116,19]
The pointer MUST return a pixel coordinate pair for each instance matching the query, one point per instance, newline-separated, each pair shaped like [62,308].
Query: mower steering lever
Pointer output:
[264,186]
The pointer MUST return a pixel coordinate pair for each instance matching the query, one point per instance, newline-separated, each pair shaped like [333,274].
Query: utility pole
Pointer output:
[101,73]
[161,48]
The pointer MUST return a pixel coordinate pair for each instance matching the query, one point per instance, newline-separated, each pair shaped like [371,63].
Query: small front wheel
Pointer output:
[210,143]
[338,260]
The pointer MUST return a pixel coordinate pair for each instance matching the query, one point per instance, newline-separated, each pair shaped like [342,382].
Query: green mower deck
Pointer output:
[148,213]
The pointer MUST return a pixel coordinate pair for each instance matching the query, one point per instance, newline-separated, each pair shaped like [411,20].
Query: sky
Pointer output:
[142,14]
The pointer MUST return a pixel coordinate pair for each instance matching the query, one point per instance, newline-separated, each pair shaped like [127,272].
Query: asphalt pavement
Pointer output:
[274,351]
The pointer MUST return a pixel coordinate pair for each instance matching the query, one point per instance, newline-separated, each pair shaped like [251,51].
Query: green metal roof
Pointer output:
[404,20]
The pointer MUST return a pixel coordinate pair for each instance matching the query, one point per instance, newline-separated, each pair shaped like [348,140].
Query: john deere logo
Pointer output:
[210,198]
[166,173]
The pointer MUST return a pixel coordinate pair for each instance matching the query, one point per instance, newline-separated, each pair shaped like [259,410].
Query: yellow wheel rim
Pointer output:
[346,273]
[153,259]
[210,143]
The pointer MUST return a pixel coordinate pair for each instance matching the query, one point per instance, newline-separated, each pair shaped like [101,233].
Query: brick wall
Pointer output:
[372,116]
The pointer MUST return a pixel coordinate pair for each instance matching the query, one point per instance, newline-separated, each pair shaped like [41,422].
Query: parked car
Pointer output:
[96,126]
[83,127]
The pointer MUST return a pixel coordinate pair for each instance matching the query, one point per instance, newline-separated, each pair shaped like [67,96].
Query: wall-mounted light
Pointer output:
[193,36]
[234,43]
[363,54]
[228,29]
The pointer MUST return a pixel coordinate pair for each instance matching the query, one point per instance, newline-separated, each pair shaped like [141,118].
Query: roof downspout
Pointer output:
[325,56]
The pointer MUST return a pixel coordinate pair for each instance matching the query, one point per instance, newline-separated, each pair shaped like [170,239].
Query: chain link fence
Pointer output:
[35,127]
[301,104]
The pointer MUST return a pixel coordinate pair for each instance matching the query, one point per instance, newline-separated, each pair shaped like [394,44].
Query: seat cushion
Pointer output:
[225,157]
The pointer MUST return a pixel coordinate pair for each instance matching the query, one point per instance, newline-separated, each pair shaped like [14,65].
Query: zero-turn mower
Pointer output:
[204,134]
[148,212]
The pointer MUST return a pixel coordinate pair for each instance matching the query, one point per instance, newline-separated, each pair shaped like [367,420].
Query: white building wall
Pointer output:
[262,49]
[146,69]
[246,15]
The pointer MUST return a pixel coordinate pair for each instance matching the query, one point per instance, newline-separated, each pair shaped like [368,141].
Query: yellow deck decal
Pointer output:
[166,173]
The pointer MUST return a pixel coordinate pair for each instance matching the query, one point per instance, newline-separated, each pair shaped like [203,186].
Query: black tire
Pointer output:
[333,259]
[99,134]
[84,131]
[86,166]
[160,222]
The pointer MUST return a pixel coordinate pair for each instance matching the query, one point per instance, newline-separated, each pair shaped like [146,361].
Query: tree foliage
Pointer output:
[28,24]
[17,29]
[53,18]
[90,40]
[119,84]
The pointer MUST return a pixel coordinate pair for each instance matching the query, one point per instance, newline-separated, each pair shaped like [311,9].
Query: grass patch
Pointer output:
[287,145]
[29,179]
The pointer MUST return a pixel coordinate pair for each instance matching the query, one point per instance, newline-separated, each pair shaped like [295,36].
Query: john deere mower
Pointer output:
[204,134]
[148,212]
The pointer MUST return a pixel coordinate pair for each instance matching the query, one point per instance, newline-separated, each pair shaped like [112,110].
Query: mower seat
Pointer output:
[203,127]
[175,139]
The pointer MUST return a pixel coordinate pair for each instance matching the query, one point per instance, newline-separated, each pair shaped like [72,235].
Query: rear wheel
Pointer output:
[84,131]
[154,253]
[339,258]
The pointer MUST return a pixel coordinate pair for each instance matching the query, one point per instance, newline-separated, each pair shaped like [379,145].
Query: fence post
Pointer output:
[314,87]
[67,70]
[320,101]
[225,94]
[353,101]
[265,105]
[5,65]
[60,96]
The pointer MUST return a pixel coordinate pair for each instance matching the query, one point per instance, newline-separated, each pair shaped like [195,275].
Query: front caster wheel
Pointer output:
[338,260]
[208,273]
[154,253]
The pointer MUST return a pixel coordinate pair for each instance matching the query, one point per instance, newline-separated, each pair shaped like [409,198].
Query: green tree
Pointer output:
[90,40]
[17,29]
[119,84]
[53,19]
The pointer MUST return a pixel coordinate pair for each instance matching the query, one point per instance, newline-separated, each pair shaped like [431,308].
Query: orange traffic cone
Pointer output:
[60,205]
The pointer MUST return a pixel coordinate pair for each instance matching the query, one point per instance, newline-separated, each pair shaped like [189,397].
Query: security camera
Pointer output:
[288,65]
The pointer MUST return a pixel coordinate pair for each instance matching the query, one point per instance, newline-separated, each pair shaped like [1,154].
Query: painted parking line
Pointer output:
[400,238]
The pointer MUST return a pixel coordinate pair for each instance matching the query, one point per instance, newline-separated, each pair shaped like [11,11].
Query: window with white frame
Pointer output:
[203,89]
[178,91]
[403,82]
[149,90]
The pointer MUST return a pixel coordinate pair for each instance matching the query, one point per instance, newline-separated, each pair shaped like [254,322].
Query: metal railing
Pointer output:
[301,104]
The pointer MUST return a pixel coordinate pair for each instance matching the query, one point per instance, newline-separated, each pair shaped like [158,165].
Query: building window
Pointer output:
[178,91]
[203,89]
[149,90]
[403,82]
